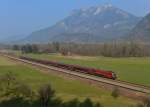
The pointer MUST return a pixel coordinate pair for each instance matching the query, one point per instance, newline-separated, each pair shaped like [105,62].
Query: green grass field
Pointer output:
[135,70]
[65,89]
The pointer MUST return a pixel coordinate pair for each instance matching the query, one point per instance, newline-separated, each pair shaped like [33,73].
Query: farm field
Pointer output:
[135,70]
[65,89]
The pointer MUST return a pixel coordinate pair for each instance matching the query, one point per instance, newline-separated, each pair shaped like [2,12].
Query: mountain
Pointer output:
[93,24]
[142,31]
[12,39]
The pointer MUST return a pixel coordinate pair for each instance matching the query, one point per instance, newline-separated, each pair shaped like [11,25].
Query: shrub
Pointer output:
[140,105]
[146,101]
[115,93]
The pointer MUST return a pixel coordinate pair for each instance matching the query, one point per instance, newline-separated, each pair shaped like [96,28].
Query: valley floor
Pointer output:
[135,70]
[65,89]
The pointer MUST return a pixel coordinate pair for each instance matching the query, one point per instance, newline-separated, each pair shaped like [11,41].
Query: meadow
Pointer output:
[65,89]
[133,69]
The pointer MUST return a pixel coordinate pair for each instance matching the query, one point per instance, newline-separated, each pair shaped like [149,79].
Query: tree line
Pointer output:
[128,49]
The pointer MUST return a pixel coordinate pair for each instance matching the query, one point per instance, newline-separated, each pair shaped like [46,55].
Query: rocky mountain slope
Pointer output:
[142,31]
[94,24]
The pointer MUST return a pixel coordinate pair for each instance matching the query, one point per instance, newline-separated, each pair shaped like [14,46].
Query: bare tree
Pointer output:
[45,94]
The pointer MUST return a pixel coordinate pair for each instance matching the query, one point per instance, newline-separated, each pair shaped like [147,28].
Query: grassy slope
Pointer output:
[136,70]
[64,88]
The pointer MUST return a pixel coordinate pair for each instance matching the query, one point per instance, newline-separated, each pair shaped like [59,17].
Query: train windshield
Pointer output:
[114,75]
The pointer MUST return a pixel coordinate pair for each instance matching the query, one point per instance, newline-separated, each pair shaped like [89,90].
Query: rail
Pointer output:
[117,83]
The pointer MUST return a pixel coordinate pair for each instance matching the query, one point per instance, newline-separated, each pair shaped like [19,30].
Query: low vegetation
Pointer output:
[12,90]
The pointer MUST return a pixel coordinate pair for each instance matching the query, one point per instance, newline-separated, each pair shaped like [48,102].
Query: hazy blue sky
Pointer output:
[25,16]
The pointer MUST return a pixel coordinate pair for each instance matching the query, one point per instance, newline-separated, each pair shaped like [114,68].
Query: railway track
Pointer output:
[116,83]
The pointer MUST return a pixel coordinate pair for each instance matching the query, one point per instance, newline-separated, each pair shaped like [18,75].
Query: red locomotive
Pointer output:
[92,71]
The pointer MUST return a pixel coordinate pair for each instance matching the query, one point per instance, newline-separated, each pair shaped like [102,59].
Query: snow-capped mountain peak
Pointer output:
[99,23]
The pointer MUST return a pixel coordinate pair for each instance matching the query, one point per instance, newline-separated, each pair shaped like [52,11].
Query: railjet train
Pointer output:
[77,68]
